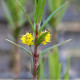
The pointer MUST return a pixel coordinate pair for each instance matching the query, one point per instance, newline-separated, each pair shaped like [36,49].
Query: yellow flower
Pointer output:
[47,37]
[27,39]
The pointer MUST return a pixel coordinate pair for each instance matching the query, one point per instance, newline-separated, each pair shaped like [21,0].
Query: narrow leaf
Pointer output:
[7,14]
[51,66]
[41,38]
[46,50]
[54,64]
[13,9]
[27,16]
[59,71]
[49,18]
[35,12]
[39,8]
[66,76]
[20,47]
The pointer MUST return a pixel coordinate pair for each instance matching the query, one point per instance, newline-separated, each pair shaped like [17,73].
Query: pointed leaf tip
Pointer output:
[26,16]
[49,18]
[57,45]
[19,47]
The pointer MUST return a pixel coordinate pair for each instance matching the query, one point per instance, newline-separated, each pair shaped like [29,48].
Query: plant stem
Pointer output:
[35,58]
[17,61]
[16,33]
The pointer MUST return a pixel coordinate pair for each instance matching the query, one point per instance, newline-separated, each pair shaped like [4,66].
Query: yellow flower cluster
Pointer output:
[28,38]
[47,38]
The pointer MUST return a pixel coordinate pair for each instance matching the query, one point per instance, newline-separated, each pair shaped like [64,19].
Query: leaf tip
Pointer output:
[69,40]
[6,39]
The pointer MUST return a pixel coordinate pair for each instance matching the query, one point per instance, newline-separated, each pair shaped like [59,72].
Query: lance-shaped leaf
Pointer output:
[41,38]
[49,18]
[57,45]
[27,17]
[20,47]
[41,4]
[54,65]
[39,8]
[35,11]
[7,14]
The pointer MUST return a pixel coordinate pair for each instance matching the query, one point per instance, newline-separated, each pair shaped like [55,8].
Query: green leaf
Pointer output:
[13,9]
[60,13]
[53,5]
[16,11]
[40,69]
[22,18]
[41,4]
[39,8]
[66,76]
[54,64]
[8,15]
[31,64]
[57,45]
[59,71]
[27,17]
[20,47]
[49,18]
[51,66]
[41,38]
[35,12]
